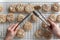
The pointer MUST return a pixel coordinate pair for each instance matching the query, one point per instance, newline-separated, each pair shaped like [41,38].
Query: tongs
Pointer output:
[40,16]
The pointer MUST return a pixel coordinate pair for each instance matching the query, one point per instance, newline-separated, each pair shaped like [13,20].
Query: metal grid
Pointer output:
[29,35]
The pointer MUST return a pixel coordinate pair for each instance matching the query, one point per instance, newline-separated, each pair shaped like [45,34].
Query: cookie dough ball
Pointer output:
[33,18]
[46,8]
[20,17]
[2,18]
[20,8]
[52,17]
[12,8]
[44,25]
[1,8]
[47,34]
[38,33]
[29,8]
[27,26]
[55,7]
[10,17]
[37,7]
[58,18]
[20,33]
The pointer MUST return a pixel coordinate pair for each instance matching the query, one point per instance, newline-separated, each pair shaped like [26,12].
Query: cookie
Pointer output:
[27,26]
[2,18]
[20,33]
[33,18]
[58,18]
[12,8]
[38,33]
[1,8]
[20,17]
[20,8]
[46,8]
[55,7]
[52,17]
[10,17]
[29,8]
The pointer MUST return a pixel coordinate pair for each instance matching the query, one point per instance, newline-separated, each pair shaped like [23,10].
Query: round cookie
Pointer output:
[46,8]
[12,8]
[52,17]
[47,34]
[55,7]
[20,17]
[2,18]
[33,18]
[38,34]
[27,26]
[29,8]
[44,25]
[20,8]
[58,18]
[10,17]
[20,33]
[37,7]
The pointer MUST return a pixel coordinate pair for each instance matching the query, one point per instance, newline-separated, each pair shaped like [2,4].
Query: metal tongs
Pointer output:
[40,16]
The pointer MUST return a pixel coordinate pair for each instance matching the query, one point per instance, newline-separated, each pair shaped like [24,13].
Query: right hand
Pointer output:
[54,28]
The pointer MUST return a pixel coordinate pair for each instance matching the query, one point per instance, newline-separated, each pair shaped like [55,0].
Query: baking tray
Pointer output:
[30,34]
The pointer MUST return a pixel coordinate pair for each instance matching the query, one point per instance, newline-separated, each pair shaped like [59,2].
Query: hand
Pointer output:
[54,28]
[11,31]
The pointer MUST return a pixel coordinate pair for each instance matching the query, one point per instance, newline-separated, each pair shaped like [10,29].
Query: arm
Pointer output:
[11,31]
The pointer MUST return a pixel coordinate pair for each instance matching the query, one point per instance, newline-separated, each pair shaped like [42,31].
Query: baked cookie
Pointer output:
[1,8]
[27,26]
[55,7]
[20,33]
[29,8]
[46,8]
[20,17]
[20,8]
[37,7]
[10,17]
[58,18]
[52,17]
[2,18]
[38,34]
[44,25]
[47,34]
[12,8]
[33,18]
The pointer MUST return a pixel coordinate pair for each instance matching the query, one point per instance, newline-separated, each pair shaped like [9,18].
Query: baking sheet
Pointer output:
[30,34]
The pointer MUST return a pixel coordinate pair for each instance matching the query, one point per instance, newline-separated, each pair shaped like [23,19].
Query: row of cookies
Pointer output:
[31,7]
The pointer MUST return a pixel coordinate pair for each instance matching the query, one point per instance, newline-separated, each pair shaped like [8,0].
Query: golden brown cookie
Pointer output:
[33,18]
[20,17]
[37,7]
[38,33]
[2,18]
[20,33]
[55,7]
[52,17]
[12,8]
[27,26]
[20,8]
[10,17]
[29,8]
[46,8]
[1,8]
[47,34]
[58,18]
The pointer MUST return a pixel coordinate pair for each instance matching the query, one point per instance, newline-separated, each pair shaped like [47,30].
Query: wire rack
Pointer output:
[29,35]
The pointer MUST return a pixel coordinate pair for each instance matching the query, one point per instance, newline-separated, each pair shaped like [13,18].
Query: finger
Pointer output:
[16,29]
[10,27]
[15,26]
[51,22]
